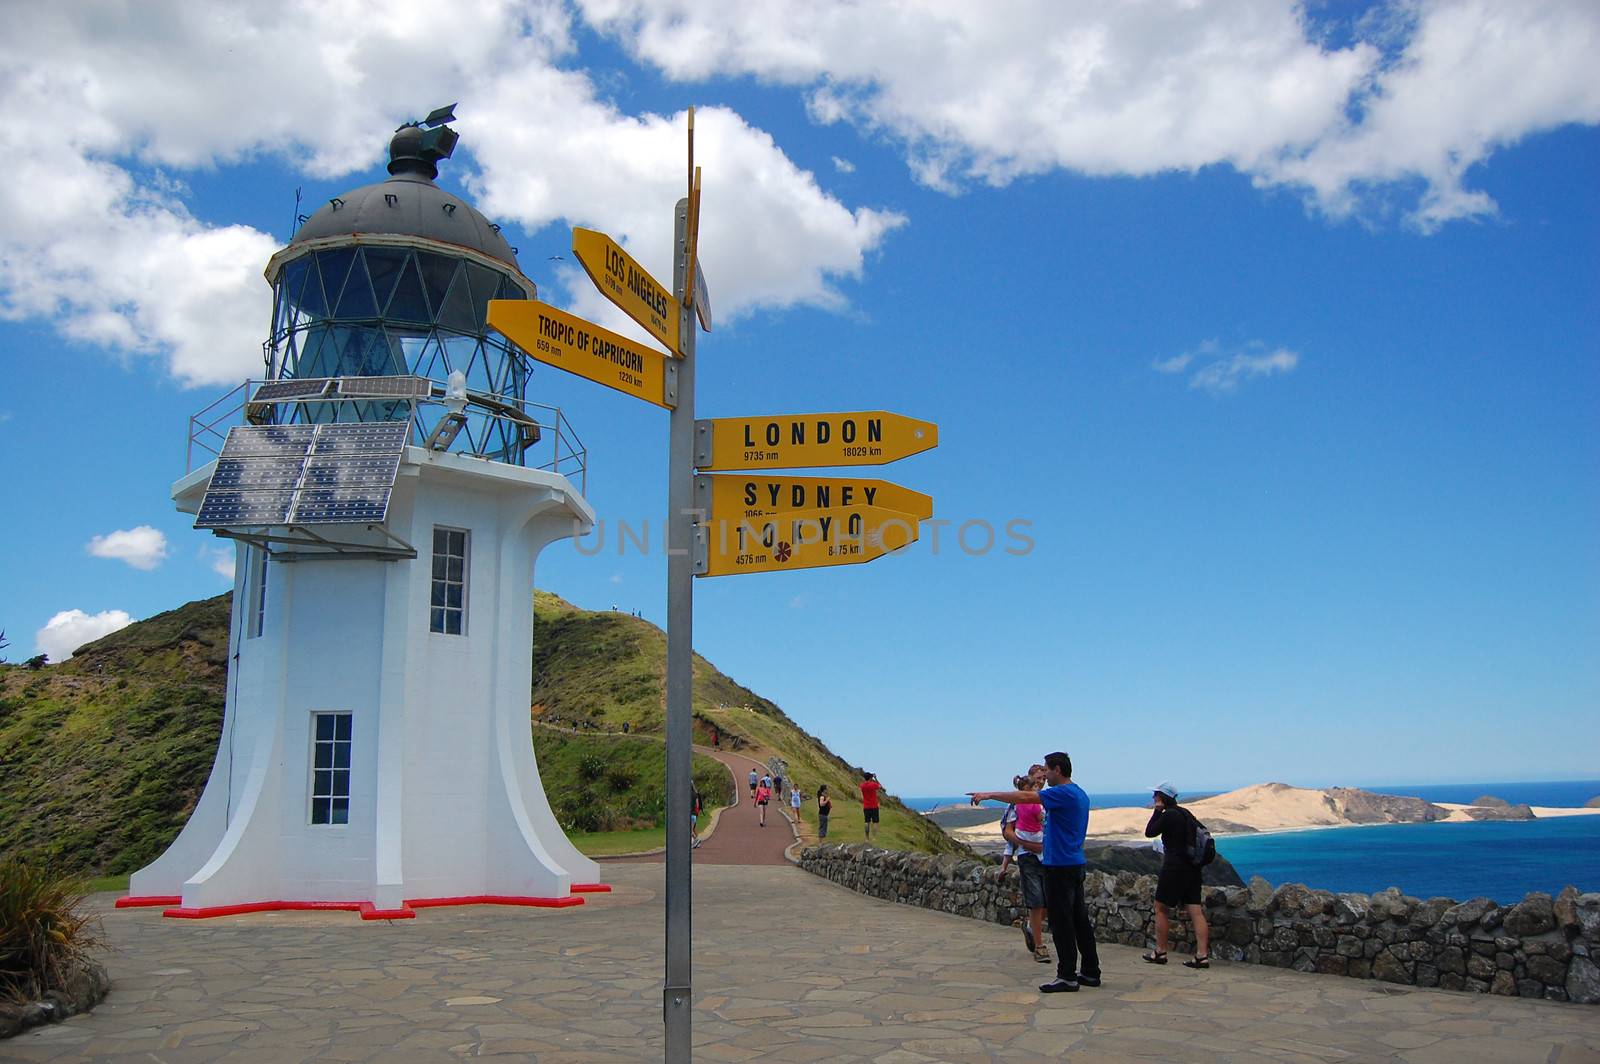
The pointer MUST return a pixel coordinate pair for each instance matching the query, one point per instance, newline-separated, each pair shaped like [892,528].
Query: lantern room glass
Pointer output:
[362,311]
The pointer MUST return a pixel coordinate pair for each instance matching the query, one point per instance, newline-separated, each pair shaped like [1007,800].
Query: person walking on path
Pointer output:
[794,802]
[1179,881]
[696,805]
[824,810]
[754,779]
[763,795]
[1064,870]
[870,789]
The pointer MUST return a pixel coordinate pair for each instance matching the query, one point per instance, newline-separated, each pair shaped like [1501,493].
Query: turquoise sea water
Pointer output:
[1495,859]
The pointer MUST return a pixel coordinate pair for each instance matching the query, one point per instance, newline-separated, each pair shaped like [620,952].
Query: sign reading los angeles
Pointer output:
[567,342]
[628,285]
[793,441]
[804,539]
[733,497]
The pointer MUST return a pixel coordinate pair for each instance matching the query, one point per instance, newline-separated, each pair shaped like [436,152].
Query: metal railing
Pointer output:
[546,439]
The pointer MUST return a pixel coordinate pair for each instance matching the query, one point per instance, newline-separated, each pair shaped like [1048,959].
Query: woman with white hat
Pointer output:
[1179,881]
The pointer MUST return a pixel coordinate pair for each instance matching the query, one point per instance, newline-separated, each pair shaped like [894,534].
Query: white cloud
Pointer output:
[221,560]
[1224,375]
[1424,90]
[1175,364]
[70,629]
[844,166]
[143,547]
[106,102]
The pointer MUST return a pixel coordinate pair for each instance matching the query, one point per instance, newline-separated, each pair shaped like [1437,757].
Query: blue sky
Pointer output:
[1298,397]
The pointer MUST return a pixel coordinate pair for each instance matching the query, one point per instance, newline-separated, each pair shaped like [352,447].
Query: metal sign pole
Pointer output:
[676,998]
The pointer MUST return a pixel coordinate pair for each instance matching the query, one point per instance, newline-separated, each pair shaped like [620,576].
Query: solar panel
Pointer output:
[245,441]
[334,506]
[375,437]
[346,471]
[305,388]
[244,509]
[255,474]
[385,387]
[304,474]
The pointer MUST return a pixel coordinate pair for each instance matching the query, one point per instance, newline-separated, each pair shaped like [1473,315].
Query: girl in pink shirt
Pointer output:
[763,795]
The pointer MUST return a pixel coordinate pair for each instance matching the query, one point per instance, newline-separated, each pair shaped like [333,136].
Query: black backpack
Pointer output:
[1203,850]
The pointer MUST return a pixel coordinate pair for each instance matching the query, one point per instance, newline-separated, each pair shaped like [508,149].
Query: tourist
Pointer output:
[696,803]
[1179,881]
[870,789]
[763,795]
[1028,831]
[794,803]
[754,779]
[777,785]
[1064,869]
[824,810]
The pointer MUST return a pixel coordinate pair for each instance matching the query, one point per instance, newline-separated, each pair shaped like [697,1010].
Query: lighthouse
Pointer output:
[388,487]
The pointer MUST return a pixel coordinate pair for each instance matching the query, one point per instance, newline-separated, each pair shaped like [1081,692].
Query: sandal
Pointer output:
[1199,962]
[1041,955]
[1155,956]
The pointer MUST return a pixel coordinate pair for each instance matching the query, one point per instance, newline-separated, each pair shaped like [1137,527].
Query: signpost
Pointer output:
[794,441]
[719,525]
[804,539]
[732,497]
[628,285]
[567,342]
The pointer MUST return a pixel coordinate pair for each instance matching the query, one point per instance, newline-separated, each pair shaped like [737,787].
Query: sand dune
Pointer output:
[1280,807]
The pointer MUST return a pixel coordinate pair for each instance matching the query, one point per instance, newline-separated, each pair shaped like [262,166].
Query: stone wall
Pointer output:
[1542,947]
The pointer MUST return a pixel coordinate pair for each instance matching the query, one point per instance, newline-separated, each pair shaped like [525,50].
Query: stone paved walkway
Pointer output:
[788,968]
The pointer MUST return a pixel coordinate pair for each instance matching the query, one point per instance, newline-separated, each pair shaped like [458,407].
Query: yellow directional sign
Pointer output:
[791,441]
[567,342]
[736,496]
[804,539]
[628,285]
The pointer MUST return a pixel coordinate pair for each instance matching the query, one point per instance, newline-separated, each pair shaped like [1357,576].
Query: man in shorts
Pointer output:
[870,789]
[754,779]
[1179,881]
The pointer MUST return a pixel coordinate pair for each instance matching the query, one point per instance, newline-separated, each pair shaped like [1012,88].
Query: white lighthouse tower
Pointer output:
[389,489]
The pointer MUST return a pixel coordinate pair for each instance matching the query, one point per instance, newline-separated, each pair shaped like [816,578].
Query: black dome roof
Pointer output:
[408,204]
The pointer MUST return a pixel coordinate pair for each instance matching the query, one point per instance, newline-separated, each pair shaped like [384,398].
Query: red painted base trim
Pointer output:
[134,901]
[495,899]
[367,910]
[590,888]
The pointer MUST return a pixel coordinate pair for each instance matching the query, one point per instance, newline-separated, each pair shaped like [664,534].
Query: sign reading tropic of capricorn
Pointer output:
[568,342]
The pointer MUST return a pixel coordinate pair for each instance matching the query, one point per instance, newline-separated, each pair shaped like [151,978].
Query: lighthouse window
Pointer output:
[256,578]
[330,768]
[447,603]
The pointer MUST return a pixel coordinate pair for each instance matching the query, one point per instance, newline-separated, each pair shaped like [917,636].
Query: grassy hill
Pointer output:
[103,757]
[606,668]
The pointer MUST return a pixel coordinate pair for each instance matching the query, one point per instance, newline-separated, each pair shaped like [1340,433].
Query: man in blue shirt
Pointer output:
[1064,869]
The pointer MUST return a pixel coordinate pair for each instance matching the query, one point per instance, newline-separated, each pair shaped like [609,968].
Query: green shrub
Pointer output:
[591,767]
[44,932]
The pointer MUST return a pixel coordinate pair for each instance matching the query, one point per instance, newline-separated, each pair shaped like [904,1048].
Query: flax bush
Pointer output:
[44,932]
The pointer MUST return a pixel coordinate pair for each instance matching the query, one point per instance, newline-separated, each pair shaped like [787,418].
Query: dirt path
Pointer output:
[739,839]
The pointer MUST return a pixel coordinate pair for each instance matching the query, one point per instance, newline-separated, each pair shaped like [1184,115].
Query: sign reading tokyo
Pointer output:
[731,497]
[628,285]
[804,539]
[789,441]
[567,342]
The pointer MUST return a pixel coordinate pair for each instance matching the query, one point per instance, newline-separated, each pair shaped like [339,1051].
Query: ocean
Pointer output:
[1502,860]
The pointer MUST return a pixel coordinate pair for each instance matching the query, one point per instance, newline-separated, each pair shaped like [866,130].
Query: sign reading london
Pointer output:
[567,342]
[628,285]
[804,539]
[732,497]
[790,441]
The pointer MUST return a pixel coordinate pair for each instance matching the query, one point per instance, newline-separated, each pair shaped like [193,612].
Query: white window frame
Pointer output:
[466,579]
[313,789]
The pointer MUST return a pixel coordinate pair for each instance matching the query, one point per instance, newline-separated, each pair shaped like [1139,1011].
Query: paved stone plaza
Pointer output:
[788,968]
